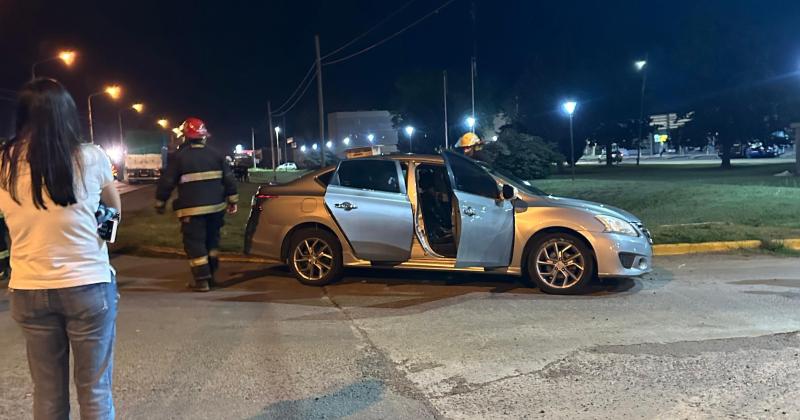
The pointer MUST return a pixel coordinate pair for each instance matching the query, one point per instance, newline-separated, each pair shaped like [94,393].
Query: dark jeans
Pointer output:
[52,321]
[201,235]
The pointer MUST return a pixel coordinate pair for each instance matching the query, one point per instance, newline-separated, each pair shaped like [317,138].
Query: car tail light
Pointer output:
[258,200]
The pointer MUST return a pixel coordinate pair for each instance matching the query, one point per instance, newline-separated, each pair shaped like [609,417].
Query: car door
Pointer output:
[485,221]
[368,199]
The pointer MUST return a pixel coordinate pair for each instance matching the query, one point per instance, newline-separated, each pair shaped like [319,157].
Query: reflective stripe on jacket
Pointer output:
[203,178]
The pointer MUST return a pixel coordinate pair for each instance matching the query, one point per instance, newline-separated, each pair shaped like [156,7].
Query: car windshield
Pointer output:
[520,184]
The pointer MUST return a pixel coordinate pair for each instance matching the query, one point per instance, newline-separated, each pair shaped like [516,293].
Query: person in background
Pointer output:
[5,266]
[62,291]
[206,188]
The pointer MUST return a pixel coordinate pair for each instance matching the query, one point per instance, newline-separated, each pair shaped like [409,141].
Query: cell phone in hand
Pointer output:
[108,230]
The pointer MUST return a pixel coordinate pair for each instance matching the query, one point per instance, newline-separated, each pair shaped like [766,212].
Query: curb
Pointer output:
[704,247]
[658,250]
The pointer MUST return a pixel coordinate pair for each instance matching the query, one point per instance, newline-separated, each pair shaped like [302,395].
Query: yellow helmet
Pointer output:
[468,140]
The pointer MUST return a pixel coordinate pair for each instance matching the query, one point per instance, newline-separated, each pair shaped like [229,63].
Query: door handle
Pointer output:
[346,206]
[469,211]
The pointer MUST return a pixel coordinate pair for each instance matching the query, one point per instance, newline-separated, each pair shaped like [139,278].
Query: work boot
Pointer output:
[200,286]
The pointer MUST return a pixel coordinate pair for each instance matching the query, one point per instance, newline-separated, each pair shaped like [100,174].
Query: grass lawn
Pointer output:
[694,203]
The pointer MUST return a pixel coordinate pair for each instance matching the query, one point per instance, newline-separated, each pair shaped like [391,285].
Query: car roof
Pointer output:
[406,157]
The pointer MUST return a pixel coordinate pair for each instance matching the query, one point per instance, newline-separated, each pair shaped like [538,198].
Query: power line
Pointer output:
[390,37]
[284,112]
[289,99]
[362,35]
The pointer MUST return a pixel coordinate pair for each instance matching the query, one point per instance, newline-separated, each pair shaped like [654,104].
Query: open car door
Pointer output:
[485,221]
[368,199]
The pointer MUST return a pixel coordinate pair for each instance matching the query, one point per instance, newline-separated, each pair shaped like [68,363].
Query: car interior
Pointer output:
[435,200]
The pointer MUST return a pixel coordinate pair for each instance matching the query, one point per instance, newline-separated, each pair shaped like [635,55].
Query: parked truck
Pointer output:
[145,155]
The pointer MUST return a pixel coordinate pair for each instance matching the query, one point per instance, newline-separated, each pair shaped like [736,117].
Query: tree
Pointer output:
[619,132]
[521,154]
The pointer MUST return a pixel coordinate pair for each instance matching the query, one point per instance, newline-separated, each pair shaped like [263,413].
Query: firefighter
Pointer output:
[206,189]
[469,143]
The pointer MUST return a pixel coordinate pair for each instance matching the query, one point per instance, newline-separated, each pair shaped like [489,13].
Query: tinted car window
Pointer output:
[325,178]
[377,175]
[471,178]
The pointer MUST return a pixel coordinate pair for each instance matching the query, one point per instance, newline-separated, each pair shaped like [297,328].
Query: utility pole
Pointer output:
[446,127]
[571,147]
[253,144]
[472,88]
[641,111]
[319,104]
[271,142]
[285,141]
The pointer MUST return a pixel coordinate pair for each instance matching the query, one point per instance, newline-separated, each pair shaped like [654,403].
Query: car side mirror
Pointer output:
[508,192]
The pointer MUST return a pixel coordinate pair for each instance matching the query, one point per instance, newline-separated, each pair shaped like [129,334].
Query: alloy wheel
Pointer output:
[312,259]
[560,264]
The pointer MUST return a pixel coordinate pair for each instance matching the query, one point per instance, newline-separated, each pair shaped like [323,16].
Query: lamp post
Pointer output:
[569,108]
[410,133]
[138,107]
[114,92]
[278,142]
[641,67]
[66,56]
[470,121]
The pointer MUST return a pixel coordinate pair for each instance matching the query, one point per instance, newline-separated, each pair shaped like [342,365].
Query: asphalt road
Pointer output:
[703,337]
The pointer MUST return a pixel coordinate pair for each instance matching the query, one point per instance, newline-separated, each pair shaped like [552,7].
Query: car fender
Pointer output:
[530,220]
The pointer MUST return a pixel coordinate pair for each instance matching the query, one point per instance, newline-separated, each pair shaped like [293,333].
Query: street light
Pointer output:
[114,92]
[278,142]
[640,66]
[66,56]
[371,137]
[314,146]
[303,148]
[346,141]
[163,122]
[329,144]
[139,108]
[470,123]
[238,149]
[410,134]
[569,108]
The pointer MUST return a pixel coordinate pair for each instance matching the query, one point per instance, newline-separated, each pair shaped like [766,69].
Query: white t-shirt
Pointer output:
[58,247]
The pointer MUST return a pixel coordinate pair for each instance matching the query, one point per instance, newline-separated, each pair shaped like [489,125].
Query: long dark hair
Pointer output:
[48,138]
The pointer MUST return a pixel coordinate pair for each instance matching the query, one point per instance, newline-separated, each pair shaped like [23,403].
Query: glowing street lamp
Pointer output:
[371,137]
[346,141]
[314,146]
[114,92]
[329,144]
[303,148]
[66,56]
[238,149]
[139,108]
[640,64]
[163,123]
[410,133]
[278,142]
[470,121]
[569,108]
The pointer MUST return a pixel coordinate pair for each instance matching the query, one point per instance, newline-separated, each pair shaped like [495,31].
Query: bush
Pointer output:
[520,154]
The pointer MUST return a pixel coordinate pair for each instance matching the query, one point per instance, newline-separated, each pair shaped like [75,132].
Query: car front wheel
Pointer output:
[560,263]
[315,257]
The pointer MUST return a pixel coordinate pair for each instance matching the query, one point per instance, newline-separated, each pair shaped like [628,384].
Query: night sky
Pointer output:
[222,61]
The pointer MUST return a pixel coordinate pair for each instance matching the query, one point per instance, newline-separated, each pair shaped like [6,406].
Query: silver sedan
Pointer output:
[445,212]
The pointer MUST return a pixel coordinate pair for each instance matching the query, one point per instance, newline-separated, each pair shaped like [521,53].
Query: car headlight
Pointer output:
[617,225]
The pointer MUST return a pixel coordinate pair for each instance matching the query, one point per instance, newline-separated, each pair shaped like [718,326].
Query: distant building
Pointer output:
[357,126]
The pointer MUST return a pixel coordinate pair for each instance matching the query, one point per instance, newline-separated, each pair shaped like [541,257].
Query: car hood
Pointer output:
[589,206]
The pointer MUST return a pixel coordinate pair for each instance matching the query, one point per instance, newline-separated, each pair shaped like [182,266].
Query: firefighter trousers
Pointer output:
[201,235]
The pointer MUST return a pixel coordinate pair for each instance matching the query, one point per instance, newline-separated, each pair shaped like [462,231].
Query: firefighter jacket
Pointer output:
[203,178]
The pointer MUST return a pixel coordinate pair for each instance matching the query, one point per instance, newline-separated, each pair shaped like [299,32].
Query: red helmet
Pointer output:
[194,128]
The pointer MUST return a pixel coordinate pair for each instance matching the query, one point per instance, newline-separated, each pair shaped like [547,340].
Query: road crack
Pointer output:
[375,363]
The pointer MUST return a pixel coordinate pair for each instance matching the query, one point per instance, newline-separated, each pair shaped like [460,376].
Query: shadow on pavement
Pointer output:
[343,402]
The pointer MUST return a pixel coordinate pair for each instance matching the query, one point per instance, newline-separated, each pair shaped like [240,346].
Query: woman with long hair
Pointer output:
[62,288]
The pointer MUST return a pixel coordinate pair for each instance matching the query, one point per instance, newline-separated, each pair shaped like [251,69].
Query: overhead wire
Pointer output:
[363,34]
[294,98]
[390,37]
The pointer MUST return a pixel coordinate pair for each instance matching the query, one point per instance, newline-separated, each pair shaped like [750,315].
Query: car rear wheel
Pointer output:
[315,257]
[560,263]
